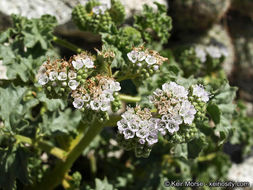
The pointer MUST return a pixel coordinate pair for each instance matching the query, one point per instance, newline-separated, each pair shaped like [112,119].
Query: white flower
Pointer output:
[151,60]
[172,126]
[141,55]
[78,64]
[188,112]
[156,67]
[78,103]
[122,125]
[142,133]
[224,51]
[152,138]
[86,98]
[88,63]
[200,53]
[213,51]
[134,125]
[177,90]
[53,75]
[199,91]
[114,86]
[128,134]
[42,69]
[95,105]
[62,76]
[105,106]
[133,56]
[72,75]
[73,84]
[43,79]
[107,96]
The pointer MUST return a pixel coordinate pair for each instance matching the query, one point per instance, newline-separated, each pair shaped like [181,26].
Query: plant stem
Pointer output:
[207,157]
[129,99]
[57,152]
[67,44]
[54,178]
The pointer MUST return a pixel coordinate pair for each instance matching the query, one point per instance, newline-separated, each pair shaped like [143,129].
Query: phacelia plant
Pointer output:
[71,119]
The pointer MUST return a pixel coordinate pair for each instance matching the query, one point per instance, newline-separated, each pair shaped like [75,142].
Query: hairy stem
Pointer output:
[57,152]
[56,176]
[129,99]
[67,44]
[53,178]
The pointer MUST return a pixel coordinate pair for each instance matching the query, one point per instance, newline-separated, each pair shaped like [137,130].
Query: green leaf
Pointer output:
[25,46]
[13,165]
[195,147]
[13,108]
[180,150]
[60,122]
[154,25]
[214,111]
[51,104]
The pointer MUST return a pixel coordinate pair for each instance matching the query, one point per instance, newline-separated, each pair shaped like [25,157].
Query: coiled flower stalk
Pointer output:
[176,111]
[143,63]
[96,97]
[138,130]
[211,55]
[60,77]
[55,77]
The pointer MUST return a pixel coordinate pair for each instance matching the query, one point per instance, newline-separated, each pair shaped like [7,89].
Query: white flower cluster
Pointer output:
[97,97]
[139,124]
[81,62]
[199,92]
[142,58]
[47,73]
[212,51]
[173,106]
[173,109]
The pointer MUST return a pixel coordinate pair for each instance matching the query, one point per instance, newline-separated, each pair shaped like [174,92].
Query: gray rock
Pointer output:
[196,15]
[62,10]
[242,172]
[241,30]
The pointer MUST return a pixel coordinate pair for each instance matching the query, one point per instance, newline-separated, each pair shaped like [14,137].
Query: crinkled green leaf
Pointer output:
[154,25]
[214,111]
[180,150]
[101,185]
[51,104]
[13,107]
[25,46]
[13,165]
[60,122]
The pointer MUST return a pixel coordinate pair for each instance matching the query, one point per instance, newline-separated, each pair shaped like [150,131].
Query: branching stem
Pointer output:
[129,99]
[57,152]
[67,44]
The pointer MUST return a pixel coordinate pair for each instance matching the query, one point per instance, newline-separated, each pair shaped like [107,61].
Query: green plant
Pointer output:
[54,110]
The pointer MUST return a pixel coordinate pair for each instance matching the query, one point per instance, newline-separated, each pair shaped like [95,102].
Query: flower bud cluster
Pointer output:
[98,16]
[98,94]
[138,130]
[60,77]
[214,52]
[199,97]
[144,63]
